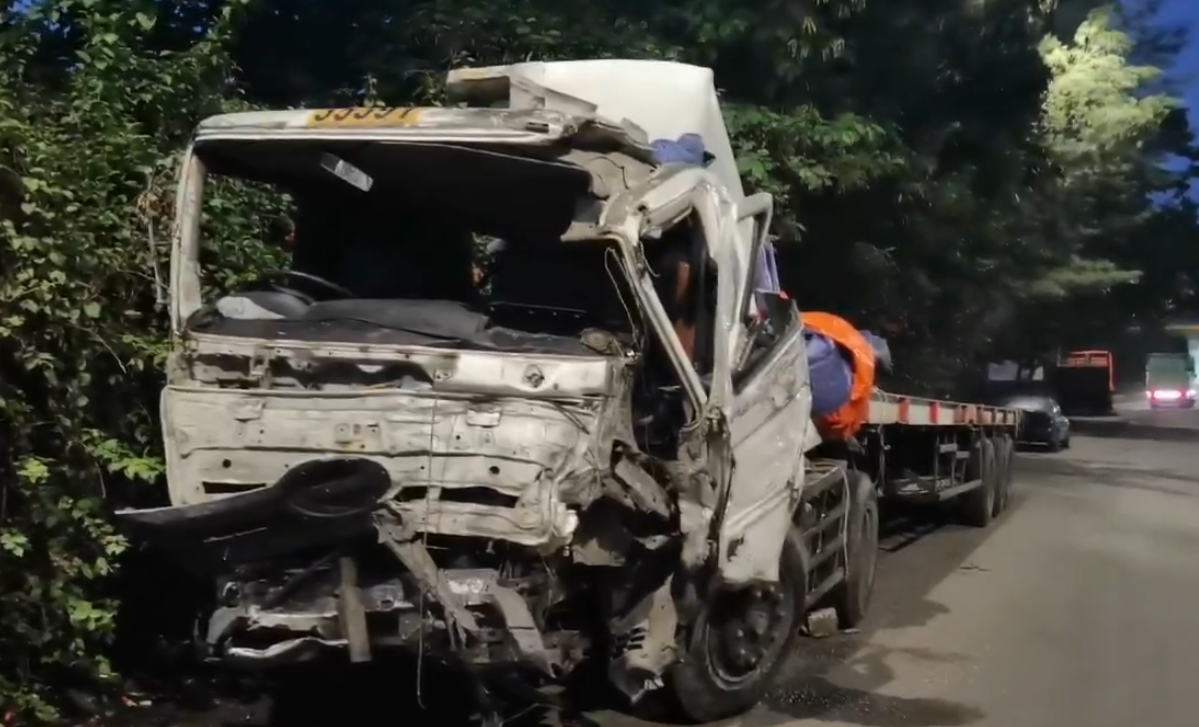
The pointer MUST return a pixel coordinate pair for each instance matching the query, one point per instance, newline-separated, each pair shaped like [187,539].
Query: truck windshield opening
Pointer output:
[396,236]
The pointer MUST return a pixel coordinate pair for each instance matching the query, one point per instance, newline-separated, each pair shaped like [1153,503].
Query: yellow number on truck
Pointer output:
[364,117]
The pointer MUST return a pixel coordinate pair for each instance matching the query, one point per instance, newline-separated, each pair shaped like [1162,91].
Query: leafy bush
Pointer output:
[88,158]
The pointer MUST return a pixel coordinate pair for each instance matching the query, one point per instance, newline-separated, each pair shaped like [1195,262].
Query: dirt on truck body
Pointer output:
[597,454]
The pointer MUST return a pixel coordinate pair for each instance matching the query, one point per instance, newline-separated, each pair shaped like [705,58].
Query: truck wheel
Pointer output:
[851,597]
[978,503]
[1004,453]
[740,641]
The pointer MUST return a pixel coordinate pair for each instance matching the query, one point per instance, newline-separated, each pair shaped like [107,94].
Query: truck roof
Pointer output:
[632,102]
[444,125]
[661,98]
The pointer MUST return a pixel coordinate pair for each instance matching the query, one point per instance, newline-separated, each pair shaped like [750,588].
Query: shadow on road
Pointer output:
[854,698]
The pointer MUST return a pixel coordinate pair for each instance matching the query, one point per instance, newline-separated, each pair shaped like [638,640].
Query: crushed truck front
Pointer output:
[371,447]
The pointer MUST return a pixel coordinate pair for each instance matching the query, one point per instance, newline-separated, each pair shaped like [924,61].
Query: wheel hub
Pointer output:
[744,627]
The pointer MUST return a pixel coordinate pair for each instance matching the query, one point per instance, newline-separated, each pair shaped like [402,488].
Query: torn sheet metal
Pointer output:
[508,462]
[662,100]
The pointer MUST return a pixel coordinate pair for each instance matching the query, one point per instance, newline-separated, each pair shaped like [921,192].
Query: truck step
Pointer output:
[822,474]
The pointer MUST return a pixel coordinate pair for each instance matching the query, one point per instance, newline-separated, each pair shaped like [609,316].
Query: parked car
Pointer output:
[1043,422]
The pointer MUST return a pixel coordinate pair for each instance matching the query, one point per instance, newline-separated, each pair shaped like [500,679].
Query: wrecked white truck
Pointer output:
[598,454]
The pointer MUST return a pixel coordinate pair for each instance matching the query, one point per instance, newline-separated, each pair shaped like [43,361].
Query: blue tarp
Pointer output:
[687,149]
[829,374]
[767,274]
[882,350]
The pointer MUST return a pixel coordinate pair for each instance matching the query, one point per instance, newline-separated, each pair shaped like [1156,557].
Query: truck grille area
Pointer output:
[505,468]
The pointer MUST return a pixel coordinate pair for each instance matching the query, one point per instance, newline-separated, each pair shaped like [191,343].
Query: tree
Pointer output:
[92,115]
[1108,128]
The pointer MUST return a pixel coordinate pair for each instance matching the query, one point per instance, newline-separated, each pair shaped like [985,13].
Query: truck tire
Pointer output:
[712,681]
[851,598]
[1005,452]
[978,503]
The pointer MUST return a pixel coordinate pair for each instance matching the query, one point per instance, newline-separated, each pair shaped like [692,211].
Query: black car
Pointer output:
[1042,421]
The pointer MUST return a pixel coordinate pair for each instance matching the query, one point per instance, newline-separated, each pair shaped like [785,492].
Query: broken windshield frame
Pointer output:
[377,236]
[626,213]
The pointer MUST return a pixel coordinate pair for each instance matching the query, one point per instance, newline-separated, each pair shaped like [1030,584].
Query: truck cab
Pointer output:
[605,443]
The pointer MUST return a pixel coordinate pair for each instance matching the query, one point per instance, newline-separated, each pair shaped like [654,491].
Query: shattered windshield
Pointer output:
[461,248]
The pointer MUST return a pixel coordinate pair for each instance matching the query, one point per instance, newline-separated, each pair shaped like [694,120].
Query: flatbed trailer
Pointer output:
[914,450]
[929,451]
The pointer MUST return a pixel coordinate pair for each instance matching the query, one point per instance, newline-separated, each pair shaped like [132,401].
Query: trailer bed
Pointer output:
[888,408]
[929,451]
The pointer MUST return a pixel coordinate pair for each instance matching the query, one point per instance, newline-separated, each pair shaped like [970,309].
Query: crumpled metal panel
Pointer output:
[517,464]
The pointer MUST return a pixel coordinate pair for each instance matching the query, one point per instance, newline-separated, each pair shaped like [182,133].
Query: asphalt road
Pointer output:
[1134,419]
[1074,609]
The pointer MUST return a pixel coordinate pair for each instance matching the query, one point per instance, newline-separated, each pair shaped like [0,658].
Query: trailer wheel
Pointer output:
[1004,454]
[978,504]
[852,596]
[740,641]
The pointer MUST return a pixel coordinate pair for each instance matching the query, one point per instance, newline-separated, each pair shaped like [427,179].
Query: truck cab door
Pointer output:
[760,386]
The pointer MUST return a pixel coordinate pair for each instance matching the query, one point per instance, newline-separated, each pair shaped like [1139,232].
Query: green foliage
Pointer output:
[87,156]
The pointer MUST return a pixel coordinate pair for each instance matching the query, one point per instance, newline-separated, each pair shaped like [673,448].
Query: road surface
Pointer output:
[1075,609]
[1135,408]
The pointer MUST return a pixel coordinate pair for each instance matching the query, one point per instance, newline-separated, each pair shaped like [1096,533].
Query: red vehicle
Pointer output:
[1085,382]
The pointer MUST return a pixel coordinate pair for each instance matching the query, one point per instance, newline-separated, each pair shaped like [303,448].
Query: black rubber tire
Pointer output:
[699,693]
[1053,446]
[1005,451]
[978,503]
[851,597]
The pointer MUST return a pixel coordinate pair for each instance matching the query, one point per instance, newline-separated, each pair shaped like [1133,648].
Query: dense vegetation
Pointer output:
[978,179]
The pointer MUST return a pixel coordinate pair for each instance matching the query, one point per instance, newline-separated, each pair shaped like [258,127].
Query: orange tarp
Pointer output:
[846,421]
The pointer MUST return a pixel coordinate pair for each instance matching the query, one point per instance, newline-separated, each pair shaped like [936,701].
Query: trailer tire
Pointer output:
[851,598]
[1004,454]
[978,504]
[702,690]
